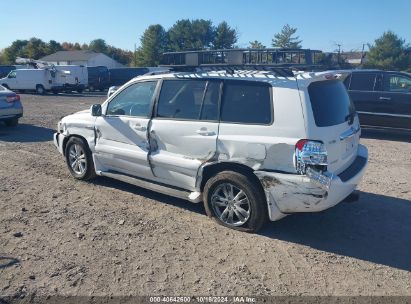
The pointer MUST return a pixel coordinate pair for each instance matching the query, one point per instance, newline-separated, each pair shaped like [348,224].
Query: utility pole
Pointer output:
[135,54]
[339,53]
[362,53]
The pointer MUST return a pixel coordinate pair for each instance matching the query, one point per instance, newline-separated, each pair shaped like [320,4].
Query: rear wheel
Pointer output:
[12,122]
[79,159]
[40,89]
[234,201]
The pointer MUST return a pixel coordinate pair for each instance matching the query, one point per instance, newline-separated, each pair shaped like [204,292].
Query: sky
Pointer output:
[321,24]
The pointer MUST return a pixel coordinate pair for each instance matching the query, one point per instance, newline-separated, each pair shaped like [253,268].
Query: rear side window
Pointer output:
[362,81]
[189,99]
[246,102]
[330,103]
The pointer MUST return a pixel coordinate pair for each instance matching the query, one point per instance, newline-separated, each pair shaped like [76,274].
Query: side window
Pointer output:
[181,99]
[362,81]
[12,75]
[134,100]
[209,107]
[245,102]
[397,83]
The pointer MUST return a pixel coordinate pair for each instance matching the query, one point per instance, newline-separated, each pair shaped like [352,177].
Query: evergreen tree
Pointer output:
[256,45]
[153,44]
[225,37]
[285,38]
[389,52]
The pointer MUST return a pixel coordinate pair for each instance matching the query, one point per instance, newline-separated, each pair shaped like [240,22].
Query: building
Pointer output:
[354,58]
[86,58]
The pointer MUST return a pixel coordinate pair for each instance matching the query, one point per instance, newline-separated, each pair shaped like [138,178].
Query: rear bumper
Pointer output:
[10,113]
[58,140]
[291,193]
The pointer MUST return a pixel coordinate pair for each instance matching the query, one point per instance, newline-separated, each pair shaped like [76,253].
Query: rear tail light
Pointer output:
[309,153]
[13,98]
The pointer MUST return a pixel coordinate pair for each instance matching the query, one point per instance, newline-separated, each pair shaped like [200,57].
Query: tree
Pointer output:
[36,48]
[16,49]
[256,45]
[285,38]
[97,45]
[225,37]
[122,56]
[188,34]
[389,52]
[53,46]
[153,44]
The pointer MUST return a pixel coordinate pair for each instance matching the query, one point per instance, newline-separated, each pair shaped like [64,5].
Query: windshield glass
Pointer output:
[330,103]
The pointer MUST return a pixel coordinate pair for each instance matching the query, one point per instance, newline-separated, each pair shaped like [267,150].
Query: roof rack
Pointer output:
[273,56]
[279,61]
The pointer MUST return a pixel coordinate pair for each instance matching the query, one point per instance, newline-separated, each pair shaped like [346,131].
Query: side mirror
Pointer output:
[95,110]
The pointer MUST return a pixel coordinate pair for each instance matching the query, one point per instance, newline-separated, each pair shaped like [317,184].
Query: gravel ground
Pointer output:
[59,236]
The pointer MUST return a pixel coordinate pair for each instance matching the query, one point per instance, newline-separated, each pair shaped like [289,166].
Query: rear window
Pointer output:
[330,103]
[362,81]
[246,102]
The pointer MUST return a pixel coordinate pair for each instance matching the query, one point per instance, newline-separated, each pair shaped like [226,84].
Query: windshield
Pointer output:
[330,103]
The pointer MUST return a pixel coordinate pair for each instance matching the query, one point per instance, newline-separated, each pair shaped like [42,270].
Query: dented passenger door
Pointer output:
[183,132]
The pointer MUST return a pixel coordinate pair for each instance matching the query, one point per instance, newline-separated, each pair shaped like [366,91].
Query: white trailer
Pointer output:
[73,77]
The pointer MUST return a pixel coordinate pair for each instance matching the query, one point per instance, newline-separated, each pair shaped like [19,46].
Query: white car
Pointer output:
[252,145]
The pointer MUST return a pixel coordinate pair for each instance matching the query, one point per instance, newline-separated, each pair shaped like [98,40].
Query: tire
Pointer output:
[80,91]
[40,89]
[248,210]
[91,88]
[79,159]
[12,122]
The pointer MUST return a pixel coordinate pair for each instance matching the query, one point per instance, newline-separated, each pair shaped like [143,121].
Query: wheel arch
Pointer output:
[211,169]
[66,139]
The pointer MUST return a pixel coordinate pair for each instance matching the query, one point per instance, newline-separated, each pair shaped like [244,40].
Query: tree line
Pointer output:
[200,34]
[389,52]
[36,48]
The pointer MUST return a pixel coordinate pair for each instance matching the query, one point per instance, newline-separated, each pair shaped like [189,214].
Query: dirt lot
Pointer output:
[62,236]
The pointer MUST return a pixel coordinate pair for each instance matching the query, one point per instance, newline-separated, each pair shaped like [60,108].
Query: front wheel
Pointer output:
[235,201]
[79,159]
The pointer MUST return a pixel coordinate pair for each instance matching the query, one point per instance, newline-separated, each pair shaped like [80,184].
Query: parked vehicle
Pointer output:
[72,77]
[11,108]
[39,80]
[98,78]
[120,76]
[251,145]
[382,98]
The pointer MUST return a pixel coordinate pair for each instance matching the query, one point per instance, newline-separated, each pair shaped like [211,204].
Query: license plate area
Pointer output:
[348,146]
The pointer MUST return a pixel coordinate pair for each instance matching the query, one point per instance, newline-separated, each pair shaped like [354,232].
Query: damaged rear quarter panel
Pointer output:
[290,192]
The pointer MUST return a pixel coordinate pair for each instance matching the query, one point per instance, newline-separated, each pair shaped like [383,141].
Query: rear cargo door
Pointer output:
[336,123]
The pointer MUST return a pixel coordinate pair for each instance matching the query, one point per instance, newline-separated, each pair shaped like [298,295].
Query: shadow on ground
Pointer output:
[377,228]
[25,133]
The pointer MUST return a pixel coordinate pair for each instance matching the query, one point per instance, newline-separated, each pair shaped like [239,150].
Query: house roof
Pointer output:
[71,56]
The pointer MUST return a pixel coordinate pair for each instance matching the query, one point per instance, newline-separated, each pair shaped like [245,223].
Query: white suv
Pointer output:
[252,145]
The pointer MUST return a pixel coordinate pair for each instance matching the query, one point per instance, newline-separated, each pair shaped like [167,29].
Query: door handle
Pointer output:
[139,127]
[385,98]
[205,132]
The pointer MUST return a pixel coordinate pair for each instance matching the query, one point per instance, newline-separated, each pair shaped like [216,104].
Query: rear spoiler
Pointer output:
[326,75]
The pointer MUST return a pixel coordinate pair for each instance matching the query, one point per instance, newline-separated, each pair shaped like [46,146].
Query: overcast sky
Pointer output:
[321,24]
